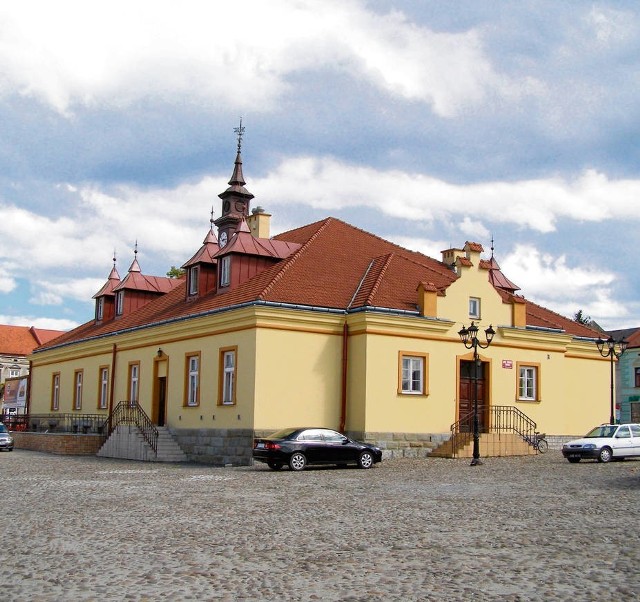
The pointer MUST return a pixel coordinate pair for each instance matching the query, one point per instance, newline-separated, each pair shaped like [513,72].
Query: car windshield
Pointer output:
[605,430]
[283,434]
[3,429]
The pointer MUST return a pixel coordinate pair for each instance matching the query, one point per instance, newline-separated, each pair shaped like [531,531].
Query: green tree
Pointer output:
[581,318]
[175,272]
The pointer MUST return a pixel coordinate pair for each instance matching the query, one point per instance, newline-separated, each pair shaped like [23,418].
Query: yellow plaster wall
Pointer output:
[298,375]
[474,282]
[64,361]
[574,382]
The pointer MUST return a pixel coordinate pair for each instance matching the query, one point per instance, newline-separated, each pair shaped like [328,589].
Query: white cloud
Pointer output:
[550,276]
[45,323]
[74,52]
[552,282]
[534,204]
[7,281]
[47,292]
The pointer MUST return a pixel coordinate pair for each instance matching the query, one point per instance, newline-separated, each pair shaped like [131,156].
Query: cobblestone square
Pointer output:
[529,528]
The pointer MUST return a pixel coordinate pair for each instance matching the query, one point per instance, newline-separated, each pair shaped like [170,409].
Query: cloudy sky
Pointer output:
[426,123]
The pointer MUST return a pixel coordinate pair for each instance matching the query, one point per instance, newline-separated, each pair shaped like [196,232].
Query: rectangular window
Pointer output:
[227,378]
[474,307]
[193,280]
[14,373]
[119,303]
[134,378]
[103,388]
[55,391]
[225,270]
[528,382]
[412,374]
[77,390]
[192,396]
[637,379]
[100,308]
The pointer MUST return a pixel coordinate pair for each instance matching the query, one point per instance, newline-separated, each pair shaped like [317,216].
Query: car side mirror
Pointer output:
[345,441]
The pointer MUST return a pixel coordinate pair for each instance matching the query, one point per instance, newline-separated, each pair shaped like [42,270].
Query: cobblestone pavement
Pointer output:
[535,528]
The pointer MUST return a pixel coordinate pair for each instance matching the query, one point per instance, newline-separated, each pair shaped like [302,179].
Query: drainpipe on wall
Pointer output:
[28,400]
[113,382]
[345,349]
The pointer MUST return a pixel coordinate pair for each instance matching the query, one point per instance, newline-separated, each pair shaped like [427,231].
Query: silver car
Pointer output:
[605,443]
[6,440]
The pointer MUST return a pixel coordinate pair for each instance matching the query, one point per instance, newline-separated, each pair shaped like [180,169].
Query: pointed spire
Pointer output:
[135,266]
[211,236]
[114,272]
[240,132]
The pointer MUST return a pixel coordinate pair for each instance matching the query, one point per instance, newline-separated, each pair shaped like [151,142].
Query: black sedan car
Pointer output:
[297,447]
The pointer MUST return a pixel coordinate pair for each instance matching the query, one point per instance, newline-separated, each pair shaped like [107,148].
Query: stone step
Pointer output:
[127,442]
[491,445]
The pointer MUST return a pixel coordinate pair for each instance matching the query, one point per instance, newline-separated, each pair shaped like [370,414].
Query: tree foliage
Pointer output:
[175,272]
[581,318]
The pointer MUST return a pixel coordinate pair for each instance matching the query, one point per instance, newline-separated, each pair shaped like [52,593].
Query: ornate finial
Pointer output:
[114,258]
[240,131]
[211,220]
[492,245]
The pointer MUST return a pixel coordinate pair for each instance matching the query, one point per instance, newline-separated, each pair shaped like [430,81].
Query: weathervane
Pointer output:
[240,131]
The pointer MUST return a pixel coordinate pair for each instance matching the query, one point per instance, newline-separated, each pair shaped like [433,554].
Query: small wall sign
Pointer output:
[508,364]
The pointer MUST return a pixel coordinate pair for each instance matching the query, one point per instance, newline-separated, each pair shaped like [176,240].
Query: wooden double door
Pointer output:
[466,396]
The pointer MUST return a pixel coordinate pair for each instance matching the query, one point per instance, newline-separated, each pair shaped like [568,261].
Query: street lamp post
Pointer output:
[469,337]
[611,348]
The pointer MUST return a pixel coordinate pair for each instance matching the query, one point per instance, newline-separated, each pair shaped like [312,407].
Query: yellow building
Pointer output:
[324,325]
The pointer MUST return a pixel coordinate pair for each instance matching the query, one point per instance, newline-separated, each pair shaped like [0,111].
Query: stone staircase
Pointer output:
[127,443]
[491,445]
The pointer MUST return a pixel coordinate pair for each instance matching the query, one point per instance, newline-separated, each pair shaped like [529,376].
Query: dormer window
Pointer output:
[193,280]
[100,308]
[225,271]
[119,303]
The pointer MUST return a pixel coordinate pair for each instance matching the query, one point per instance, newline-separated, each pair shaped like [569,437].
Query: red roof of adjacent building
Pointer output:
[22,340]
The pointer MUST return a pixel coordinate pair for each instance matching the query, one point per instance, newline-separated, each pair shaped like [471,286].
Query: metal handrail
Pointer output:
[128,412]
[501,419]
[57,422]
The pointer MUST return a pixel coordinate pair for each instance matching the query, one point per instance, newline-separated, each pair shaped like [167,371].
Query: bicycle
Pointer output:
[539,442]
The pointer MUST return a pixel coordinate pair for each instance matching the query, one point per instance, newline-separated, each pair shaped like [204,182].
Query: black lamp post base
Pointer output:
[476,462]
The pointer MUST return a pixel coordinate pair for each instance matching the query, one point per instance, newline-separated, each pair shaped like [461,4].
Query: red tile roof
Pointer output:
[328,264]
[22,340]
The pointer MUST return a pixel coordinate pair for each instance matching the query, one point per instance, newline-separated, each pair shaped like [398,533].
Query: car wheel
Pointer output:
[605,455]
[543,446]
[274,465]
[297,461]
[365,460]
[574,460]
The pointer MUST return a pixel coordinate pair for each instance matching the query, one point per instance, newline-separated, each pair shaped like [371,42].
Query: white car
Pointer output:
[605,443]
[6,440]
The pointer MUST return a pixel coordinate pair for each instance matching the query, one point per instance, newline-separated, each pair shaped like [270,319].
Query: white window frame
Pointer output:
[100,308]
[119,302]
[228,371]
[104,389]
[55,391]
[474,307]
[413,374]
[77,389]
[193,380]
[528,382]
[194,274]
[225,270]
[13,373]
[134,383]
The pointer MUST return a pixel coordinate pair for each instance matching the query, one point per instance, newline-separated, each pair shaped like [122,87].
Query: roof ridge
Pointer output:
[291,260]
[387,260]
